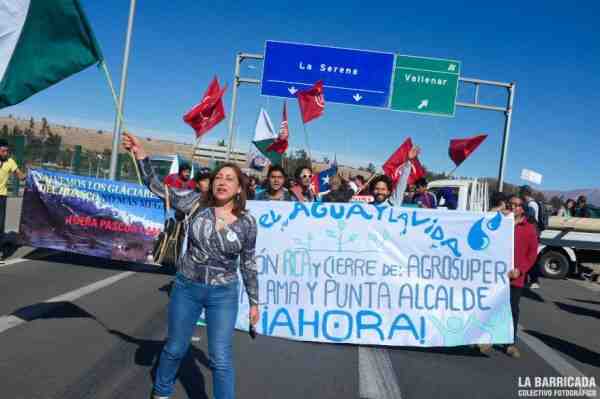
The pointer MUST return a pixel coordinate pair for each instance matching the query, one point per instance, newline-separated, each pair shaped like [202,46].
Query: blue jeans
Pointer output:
[220,302]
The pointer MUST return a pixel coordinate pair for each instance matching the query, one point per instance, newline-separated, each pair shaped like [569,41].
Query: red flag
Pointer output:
[209,112]
[460,149]
[392,166]
[312,102]
[281,142]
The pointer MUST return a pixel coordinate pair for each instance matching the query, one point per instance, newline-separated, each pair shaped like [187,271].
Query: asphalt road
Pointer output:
[102,341]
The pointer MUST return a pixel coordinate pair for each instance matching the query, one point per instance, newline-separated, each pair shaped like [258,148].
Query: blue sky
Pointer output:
[549,48]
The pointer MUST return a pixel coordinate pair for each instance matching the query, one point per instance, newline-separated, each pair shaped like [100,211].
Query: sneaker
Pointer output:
[513,352]
[154,396]
[534,286]
[485,348]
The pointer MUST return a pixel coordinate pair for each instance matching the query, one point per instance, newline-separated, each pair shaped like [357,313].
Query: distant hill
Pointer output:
[99,140]
[592,194]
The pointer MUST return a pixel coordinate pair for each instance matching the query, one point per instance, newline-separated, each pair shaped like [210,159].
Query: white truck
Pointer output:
[565,245]
[461,194]
[564,248]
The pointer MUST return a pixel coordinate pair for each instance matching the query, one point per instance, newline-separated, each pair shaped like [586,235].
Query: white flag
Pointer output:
[262,132]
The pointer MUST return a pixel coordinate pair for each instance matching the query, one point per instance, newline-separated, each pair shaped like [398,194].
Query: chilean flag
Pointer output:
[320,181]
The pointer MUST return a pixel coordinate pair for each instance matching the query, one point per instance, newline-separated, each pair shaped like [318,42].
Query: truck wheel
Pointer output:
[554,265]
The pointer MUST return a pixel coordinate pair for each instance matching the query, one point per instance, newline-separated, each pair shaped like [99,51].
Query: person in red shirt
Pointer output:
[182,179]
[526,249]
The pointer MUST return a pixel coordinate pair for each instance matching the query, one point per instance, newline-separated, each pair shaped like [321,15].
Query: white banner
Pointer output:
[355,273]
[531,176]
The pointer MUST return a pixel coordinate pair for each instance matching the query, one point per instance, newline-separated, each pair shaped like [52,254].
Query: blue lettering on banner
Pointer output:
[318,210]
[268,220]
[339,326]
[363,274]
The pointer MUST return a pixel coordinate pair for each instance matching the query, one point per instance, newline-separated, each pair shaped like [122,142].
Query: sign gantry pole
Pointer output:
[237,80]
[507,123]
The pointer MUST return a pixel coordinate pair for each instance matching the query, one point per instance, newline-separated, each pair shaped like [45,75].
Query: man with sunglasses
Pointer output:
[303,190]
[525,254]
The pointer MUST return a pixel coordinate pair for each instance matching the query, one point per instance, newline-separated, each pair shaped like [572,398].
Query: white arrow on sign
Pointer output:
[424,104]
[357,97]
[292,90]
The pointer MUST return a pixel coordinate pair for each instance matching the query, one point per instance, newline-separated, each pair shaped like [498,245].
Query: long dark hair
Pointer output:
[239,201]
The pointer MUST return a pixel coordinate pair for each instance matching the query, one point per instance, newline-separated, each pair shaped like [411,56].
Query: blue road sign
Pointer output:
[355,77]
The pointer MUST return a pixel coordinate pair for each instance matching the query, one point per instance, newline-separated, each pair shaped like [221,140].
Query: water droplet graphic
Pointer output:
[477,238]
[494,223]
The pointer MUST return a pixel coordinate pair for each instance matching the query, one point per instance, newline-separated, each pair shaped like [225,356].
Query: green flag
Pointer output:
[264,136]
[41,43]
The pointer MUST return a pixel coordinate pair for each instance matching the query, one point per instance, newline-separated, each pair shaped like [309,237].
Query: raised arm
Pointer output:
[404,172]
[181,200]
[398,195]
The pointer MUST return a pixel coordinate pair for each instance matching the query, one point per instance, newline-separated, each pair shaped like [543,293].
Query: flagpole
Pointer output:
[197,147]
[452,171]
[117,131]
[119,115]
[307,144]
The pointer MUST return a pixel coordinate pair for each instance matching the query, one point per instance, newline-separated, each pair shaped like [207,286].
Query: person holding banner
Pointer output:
[526,245]
[8,166]
[218,231]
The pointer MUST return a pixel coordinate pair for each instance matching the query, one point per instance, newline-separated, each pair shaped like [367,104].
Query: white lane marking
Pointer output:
[10,321]
[559,364]
[20,260]
[13,261]
[376,376]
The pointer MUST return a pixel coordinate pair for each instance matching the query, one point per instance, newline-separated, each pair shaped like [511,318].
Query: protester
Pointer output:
[222,231]
[252,185]
[525,254]
[340,190]
[381,190]
[202,180]
[423,197]
[181,180]
[409,194]
[498,203]
[568,209]
[8,166]
[532,213]
[303,191]
[532,208]
[357,184]
[382,186]
[582,210]
[275,190]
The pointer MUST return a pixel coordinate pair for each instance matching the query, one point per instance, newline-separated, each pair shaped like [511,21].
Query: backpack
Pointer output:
[542,219]
[168,244]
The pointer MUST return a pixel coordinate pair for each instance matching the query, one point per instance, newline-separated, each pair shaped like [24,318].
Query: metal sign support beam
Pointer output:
[240,57]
